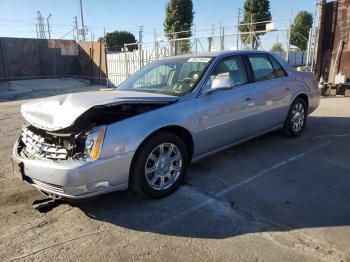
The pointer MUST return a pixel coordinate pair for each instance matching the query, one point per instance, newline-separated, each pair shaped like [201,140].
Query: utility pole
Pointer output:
[82,18]
[155,35]
[48,25]
[140,46]
[105,40]
[195,37]
[238,21]
[309,48]
[212,30]
[75,27]
[319,35]
[210,39]
[221,27]
[251,33]
[140,34]
[289,35]
[92,35]
[156,49]
[315,39]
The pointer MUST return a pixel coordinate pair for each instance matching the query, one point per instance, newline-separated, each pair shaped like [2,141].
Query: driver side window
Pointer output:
[231,67]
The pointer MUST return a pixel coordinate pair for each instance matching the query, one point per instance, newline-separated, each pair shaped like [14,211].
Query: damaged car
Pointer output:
[145,133]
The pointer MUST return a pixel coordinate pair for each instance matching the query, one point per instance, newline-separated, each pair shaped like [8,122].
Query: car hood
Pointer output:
[59,112]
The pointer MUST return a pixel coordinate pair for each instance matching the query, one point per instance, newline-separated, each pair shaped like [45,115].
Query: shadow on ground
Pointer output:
[310,191]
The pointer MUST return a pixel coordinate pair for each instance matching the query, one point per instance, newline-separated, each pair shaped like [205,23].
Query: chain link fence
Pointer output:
[122,64]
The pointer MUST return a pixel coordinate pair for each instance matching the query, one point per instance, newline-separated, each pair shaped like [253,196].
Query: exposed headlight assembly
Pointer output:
[94,141]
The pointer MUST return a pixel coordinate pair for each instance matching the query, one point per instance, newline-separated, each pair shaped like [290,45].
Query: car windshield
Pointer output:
[176,76]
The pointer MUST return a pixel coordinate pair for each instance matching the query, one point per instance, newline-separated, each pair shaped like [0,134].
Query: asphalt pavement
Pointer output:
[270,199]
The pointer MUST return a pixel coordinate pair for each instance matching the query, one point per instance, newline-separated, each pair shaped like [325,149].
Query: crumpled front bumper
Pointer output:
[52,177]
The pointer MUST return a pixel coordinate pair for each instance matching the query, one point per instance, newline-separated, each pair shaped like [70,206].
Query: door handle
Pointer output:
[248,98]
[249,101]
[287,88]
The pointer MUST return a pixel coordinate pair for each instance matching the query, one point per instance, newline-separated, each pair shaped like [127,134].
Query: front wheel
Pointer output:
[160,165]
[296,119]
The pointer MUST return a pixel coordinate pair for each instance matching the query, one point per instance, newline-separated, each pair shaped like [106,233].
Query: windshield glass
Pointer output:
[169,76]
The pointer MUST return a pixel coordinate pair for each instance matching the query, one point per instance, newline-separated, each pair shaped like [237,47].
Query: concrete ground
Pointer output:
[270,199]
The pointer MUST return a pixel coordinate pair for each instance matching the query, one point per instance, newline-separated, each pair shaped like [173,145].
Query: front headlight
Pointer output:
[93,142]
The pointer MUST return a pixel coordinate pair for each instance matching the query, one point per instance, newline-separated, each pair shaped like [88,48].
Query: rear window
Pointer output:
[279,71]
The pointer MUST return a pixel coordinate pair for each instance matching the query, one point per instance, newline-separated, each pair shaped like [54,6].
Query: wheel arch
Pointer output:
[301,95]
[304,97]
[180,131]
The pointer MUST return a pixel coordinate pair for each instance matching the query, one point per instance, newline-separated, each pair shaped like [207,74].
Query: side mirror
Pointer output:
[221,83]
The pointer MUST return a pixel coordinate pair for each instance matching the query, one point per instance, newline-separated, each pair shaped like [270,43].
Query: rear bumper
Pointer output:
[52,177]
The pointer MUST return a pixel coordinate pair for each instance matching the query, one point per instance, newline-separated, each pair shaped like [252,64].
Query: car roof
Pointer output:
[220,54]
[214,54]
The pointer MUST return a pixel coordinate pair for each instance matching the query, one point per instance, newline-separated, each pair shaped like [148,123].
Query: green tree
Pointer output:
[179,18]
[277,47]
[115,41]
[300,30]
[254,11]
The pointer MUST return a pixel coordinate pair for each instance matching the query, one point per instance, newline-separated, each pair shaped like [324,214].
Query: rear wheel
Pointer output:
[160,165]
[296,119]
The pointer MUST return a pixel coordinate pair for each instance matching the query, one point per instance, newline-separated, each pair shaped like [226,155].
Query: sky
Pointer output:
[18,17]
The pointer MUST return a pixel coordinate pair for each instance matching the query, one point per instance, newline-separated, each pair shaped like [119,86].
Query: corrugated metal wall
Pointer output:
[92,63]
[38,58]
[21,58]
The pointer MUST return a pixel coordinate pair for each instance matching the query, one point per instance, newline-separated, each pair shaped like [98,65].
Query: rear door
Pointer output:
[226,116]
[272,90]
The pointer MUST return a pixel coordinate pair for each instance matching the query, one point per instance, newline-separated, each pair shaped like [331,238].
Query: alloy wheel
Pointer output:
[297,117]
[163,166]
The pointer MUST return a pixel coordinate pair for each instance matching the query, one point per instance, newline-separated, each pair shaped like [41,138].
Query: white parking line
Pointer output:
[244,182]
[342,135]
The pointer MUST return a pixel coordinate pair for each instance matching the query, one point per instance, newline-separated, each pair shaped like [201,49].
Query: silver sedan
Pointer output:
[146,132]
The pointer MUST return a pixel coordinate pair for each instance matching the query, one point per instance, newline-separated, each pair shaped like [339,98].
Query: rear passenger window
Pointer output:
[279,71]
[262,67]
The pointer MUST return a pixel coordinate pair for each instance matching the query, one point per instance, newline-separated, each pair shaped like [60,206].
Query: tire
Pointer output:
[155,174]
[296,119]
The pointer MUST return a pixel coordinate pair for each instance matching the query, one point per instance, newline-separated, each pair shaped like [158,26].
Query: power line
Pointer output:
[66,34]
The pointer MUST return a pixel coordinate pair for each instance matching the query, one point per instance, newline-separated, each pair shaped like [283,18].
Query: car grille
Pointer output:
[36,146]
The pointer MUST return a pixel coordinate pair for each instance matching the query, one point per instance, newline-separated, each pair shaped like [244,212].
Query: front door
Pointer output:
[226,116]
